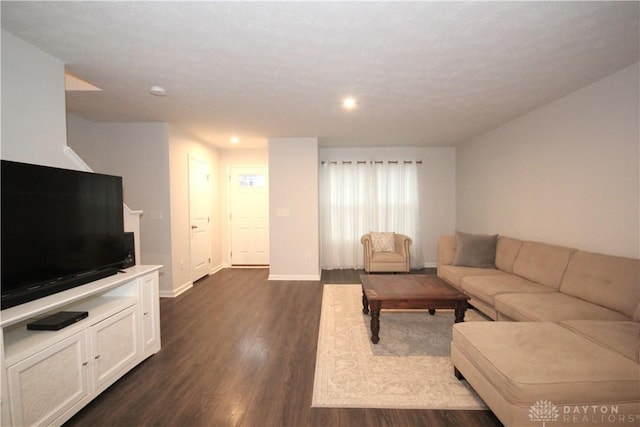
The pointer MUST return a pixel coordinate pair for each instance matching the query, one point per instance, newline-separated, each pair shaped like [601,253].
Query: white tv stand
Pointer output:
[48,376]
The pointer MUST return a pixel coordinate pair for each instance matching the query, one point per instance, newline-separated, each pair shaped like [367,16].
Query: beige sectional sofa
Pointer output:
[566,346]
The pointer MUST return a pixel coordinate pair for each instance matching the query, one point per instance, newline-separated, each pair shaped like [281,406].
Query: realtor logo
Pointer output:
[543,410]
[597,415]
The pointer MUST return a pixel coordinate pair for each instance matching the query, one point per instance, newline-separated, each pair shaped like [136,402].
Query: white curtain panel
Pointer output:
[359,197]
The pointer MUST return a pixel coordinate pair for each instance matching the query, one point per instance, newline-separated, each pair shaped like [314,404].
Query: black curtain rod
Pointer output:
[364,162]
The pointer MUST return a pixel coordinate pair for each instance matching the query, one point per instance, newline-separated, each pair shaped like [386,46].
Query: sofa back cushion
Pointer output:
[609,281]
[506,253]
[542,263]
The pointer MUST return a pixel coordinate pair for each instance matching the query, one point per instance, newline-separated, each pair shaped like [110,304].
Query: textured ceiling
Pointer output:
[424,73]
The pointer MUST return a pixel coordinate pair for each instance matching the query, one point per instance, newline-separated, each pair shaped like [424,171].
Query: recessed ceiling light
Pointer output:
[157,91]
[234,140]
[349,103]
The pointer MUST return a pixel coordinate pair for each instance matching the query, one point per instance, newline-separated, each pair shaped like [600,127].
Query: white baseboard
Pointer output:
[217,268]
[430,264]
[295,277]
[182,289]
[249,266]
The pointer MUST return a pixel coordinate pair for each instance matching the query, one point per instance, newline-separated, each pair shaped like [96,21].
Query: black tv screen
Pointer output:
[60,228]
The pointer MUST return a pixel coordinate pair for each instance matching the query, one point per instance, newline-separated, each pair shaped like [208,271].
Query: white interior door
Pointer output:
[199,214]
[249,215]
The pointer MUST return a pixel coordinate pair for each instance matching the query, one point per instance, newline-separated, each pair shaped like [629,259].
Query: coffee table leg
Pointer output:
[365,303]
[375,322]
[375,326]
[432,311]
[461,307]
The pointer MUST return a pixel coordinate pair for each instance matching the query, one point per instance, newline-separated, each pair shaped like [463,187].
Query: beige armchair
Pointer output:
[387,261]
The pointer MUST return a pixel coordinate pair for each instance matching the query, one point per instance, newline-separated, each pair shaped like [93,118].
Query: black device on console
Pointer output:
[129,250]
[57,321]
[60,229]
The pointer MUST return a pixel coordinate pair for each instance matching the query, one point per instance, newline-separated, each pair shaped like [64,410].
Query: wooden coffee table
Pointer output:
[408,291]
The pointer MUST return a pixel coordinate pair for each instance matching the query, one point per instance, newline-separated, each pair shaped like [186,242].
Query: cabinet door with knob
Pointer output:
[48,376]
[115,346]
[150,314]
[48,383]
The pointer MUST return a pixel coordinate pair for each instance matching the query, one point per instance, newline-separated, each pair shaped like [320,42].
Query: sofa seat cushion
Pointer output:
[388,262]
[387,257]
[486,288]
[551,307]
[621,337]
[453,273]
[529,361]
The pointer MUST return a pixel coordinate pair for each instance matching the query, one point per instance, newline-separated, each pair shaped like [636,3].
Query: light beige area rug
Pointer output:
[409,368]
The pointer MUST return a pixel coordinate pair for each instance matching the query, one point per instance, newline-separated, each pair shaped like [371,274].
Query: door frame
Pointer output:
[229,206]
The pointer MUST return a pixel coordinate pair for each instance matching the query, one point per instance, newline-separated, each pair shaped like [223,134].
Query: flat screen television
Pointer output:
[60,229]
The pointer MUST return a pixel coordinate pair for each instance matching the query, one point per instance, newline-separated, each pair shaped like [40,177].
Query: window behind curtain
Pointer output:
[359,197]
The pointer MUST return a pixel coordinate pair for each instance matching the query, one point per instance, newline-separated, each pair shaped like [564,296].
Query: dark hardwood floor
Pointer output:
[239,350]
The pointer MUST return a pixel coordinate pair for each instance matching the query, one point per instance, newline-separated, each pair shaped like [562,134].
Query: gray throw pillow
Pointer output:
[475,250]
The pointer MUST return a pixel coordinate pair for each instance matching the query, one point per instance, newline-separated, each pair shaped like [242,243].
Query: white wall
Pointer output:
[36,132]
[566,173]
[138,152]
[437,187]
[293,187]
[33,105]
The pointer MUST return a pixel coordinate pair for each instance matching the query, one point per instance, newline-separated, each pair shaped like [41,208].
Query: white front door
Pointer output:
[249,215]
[199,206]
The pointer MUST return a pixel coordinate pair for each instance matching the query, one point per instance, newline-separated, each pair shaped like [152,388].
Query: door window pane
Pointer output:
[252,180]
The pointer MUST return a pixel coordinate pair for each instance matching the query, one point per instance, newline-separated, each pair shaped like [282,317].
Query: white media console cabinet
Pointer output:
[48,376]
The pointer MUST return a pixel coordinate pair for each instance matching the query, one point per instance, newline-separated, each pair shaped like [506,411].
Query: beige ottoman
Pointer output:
[538,371]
